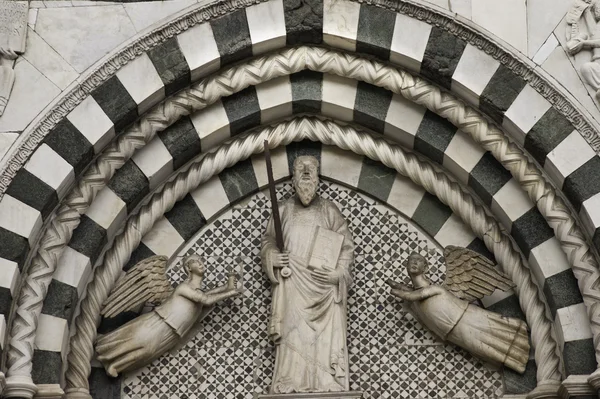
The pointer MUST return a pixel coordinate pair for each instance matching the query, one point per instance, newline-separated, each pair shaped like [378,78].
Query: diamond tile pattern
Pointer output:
[391,355]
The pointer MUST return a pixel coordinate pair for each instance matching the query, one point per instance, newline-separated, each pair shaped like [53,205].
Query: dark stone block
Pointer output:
[232,36]
[88,238]
[239,180]
[5,301]
[530,230]
[14,247]
[487,177]
[584,183]
[303,21]
[376,179]
[47,367]
[171,65]
[102,386]
[60,301]
[596,239]
[433,136]
[130,184]
[70,144]
[546,134]
[508,307]
[371,106]
[375,31]
[579,357]
[243,110]
[299,148]
[32,191]
[307,92]
[140,253]
[431,214]
[116,102]
[516,383]
[500,93]
[186,217]
[478,245]
[182,141]
[561,290]
[441,56]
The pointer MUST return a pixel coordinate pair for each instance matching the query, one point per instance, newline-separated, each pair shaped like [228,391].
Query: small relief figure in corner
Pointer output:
[445,310]
[582,33]
[150,335]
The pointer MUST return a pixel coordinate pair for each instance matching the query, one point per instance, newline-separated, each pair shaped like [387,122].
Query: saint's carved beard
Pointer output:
[306,190]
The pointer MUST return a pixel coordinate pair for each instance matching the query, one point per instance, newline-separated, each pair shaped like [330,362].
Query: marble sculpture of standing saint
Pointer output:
[308,311]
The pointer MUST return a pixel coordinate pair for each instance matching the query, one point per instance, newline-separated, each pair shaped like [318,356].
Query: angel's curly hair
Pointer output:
[194,258]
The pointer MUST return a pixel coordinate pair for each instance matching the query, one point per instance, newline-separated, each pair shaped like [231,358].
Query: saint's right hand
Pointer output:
[280,259]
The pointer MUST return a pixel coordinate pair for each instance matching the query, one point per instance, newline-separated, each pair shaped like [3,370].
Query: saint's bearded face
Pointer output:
[306,178]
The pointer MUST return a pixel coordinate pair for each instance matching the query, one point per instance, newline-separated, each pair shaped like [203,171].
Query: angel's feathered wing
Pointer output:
[145,282]
[472,276]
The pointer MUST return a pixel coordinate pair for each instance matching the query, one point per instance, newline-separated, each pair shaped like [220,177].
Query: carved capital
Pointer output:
[77,393]
[545,390]
[576,386]
[49,391]
[594,379]
[19,386]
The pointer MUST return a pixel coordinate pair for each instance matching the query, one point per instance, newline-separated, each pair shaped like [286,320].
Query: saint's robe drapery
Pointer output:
[308,318]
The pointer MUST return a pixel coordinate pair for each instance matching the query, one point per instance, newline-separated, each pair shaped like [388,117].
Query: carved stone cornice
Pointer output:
[521,66]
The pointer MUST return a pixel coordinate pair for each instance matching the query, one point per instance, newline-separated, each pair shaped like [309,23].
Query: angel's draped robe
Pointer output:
[485,334]
[308,318]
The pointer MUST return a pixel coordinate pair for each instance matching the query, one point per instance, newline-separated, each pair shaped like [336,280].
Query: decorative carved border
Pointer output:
[34,135]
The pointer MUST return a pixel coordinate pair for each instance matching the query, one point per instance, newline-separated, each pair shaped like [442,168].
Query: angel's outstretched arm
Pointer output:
[214,298]
[218,289]
[418,295]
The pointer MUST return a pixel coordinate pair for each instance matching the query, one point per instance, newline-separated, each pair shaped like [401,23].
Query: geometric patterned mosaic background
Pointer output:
[390,354]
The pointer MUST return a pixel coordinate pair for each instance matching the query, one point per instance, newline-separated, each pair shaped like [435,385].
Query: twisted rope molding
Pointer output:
[328,132]
[34,135]
[205,93]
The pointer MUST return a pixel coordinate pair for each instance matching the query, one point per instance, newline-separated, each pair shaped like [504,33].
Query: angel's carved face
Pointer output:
[195,266]
[416,264]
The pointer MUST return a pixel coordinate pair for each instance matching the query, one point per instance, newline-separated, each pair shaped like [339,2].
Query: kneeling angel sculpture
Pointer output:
[445,310]
[148,336]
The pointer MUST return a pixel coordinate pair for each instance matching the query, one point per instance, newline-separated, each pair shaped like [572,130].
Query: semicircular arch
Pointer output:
[552,204]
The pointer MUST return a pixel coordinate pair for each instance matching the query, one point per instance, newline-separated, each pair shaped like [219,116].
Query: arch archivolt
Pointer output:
[327,132]
[263,69]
